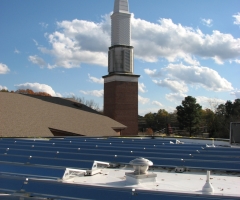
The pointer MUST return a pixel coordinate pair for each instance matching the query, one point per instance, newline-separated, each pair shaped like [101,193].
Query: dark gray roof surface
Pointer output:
[32,116]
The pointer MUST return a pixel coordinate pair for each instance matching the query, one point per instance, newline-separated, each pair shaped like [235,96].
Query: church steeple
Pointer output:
[121,23]
[121,6]
[121,84]
[120,55]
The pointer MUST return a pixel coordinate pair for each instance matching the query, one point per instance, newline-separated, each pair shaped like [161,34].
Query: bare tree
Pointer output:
[90,103]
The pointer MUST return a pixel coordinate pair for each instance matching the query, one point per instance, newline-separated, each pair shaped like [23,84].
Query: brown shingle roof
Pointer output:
[32,116]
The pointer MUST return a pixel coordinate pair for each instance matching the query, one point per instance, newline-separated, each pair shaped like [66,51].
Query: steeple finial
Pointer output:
[121,6]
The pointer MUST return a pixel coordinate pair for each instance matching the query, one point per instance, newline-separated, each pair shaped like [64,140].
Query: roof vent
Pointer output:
[212,145]
[140,174]
[180,169]
[141,165]
[179,142]
[208,188]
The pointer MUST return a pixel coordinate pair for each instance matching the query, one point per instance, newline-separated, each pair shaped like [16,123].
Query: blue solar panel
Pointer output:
[64,153]
[31,170]
[10,185]
[73,153]
[107,146]
[83,164]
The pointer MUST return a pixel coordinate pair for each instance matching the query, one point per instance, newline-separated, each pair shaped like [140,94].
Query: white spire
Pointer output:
[121,23]
[121,6]
[121,52]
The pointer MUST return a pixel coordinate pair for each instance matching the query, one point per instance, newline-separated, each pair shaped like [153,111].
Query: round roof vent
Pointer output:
[141,165]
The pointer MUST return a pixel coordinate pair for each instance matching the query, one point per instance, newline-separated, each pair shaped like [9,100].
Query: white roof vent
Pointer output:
[140,174]
[208,188]
[212,145]
[179,142]
[141,165]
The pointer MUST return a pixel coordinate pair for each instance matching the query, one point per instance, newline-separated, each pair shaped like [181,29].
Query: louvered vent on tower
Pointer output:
[127,60]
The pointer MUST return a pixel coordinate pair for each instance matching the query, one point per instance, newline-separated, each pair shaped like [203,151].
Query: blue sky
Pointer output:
[181,48]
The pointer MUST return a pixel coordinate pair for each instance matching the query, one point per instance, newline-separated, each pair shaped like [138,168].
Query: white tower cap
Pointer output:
[121,6]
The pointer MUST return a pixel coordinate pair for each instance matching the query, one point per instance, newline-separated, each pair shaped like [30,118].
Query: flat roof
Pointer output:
[35,167]
[192,181]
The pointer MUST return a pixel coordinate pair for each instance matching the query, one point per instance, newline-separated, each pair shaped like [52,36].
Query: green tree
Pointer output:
[229,109]
[162,118]
[150,119]
[208,121]
[4,90]
[189,114]
[226,113]
[158,120]
[236,109]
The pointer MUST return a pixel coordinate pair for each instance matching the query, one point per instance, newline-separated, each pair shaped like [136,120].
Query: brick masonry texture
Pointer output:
[121,104]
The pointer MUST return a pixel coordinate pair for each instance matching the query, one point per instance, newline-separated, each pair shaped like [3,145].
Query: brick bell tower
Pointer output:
[121,84]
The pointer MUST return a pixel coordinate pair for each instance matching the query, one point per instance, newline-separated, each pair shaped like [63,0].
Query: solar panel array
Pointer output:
[43,163]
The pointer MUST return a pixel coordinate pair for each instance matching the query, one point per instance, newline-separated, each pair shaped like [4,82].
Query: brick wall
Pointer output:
[121,104]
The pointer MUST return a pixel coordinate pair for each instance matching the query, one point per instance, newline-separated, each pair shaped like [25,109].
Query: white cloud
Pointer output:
[3,87]
[95,80]
[81,41]
[4,69]
[142,87]
[237,19]
[207,102]
[35,41]
[44,25]
[199,76]
[144,111]
[143,100]
[16,51]
[207,22]
[173,85]
[236,93]
[96,93]
[37,87]
[152,73]
[175,97]
[37,61]
[69,94]
[157,103]
[236,61]
[190,59]
[174,41]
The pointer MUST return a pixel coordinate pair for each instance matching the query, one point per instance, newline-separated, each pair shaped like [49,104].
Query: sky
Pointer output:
[181,48]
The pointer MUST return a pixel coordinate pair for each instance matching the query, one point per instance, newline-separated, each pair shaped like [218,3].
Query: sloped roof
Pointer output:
[32,116]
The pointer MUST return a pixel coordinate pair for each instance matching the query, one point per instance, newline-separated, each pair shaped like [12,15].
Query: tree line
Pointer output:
[28,91]
[191,118]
